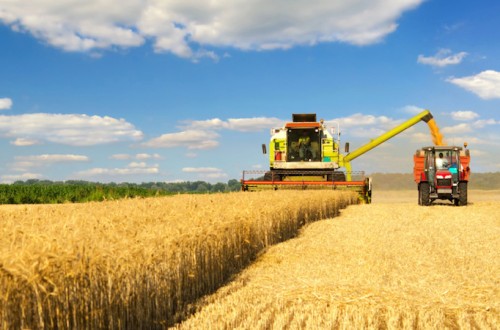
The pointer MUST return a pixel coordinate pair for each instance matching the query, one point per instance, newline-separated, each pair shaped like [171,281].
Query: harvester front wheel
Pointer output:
[424,193]
[271,176]
[336,176]
[462,190]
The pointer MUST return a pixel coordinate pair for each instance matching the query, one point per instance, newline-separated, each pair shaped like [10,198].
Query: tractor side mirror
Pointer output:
[346,149]
[264,149]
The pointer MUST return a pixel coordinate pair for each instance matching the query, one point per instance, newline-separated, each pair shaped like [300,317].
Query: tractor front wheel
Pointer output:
[424,194]
[462,190]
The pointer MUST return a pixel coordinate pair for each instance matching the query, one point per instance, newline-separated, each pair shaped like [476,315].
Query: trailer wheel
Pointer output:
[462,190]
[424,192]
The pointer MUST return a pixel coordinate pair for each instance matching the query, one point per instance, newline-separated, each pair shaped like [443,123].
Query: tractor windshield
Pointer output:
[447,160]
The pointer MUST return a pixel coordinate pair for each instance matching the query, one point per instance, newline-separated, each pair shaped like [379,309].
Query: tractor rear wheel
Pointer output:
[424,193]
[462,190]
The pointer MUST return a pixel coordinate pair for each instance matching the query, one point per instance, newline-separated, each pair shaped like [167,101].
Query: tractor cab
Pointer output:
[442,164]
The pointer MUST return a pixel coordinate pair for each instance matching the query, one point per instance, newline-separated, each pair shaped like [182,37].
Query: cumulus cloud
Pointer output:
[137,165]
[486,84]
[141,156]
[22,142]
[412,109]
[464,115]
[421,137]
[69,129]
[483,122]
[206,172]
[132,169]
[359,119]
[201,170]
[5,103]
[9,178]
[443,58]
[237,124]
[181,26]
[457,129]
[53,158]
[468,127]
[22,163]
[117,171]
[190,139]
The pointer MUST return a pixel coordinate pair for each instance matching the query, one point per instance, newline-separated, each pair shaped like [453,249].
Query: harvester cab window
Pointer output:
[303,145]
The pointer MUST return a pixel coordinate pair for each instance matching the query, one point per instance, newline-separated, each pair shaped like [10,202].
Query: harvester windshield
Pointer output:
[303,145]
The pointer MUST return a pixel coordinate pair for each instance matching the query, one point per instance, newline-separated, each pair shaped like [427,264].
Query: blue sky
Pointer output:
[177,90]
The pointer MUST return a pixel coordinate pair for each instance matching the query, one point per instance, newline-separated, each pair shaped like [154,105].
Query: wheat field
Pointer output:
[379,266]
[139,263]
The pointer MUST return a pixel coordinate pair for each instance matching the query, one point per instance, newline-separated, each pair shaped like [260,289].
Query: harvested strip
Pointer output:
[376,266]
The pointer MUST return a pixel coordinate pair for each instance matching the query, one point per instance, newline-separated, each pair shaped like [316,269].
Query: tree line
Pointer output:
[50,192]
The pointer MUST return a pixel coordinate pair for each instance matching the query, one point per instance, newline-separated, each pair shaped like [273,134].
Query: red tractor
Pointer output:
[442,172]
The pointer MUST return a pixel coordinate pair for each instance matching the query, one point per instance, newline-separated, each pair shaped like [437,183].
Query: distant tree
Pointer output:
[202,187]
[233,185]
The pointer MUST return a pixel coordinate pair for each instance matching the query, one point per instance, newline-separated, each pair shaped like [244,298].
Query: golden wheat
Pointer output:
[395,266]
[138,263]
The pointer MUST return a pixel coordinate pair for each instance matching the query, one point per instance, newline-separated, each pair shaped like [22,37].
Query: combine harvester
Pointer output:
[305,155]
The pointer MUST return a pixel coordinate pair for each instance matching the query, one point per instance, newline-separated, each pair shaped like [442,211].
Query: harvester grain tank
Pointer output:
[305,154]
[442,172]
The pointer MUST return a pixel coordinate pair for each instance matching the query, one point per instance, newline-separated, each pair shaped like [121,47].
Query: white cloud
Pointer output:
[121,156]
[486,84]
[9,178]
[178,26]
[141,156]
[421,137]
[457,129]
[147,156]
[104,172]
[69,129]
[191,139]
[358,119]
[464,115]
[206,172]
[5,103]
[472,141]
[53,158]
[412,109]
[22,142]
[443,58]
[201,170]
[137,165]
[237,124]
[483,122]
[23,163]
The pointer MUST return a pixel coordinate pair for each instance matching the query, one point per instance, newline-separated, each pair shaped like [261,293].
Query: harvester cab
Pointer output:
[442,172]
